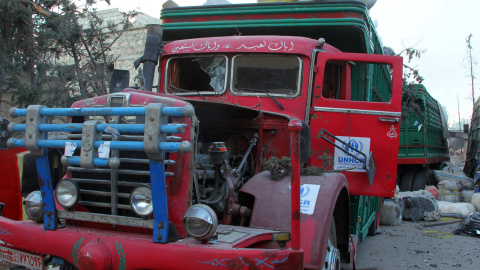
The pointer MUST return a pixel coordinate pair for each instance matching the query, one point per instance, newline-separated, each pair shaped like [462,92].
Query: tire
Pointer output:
[373,229]
[332,257]
[420,180]
[407,180]
[67,266]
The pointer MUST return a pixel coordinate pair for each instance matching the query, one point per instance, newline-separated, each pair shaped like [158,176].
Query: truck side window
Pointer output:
[351,81]
[332,81]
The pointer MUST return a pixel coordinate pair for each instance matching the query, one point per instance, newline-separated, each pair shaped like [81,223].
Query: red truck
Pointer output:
[257,151]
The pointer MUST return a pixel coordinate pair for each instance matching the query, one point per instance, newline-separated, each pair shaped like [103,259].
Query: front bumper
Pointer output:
[119,250]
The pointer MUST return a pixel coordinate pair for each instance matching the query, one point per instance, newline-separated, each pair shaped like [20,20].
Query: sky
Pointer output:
[438,26]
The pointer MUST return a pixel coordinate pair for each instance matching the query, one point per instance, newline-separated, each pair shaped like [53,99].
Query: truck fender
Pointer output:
[271,209]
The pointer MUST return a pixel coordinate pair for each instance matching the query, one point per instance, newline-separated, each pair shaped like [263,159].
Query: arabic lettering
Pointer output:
[392,133]
[272,46]
[204,46]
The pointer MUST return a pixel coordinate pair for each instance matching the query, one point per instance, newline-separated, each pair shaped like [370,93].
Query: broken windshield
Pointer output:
[272,74]
[196,74]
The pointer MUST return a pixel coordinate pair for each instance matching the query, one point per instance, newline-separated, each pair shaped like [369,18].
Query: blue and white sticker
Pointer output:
[308,198]
[70,148]
[346,162]
[104,150]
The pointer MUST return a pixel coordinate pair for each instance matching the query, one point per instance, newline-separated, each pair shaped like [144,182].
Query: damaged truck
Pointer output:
[269,137]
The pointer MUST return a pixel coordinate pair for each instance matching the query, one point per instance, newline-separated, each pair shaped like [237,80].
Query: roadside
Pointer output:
[407,247]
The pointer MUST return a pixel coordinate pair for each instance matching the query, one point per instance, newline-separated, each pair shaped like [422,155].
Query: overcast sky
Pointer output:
[438,26]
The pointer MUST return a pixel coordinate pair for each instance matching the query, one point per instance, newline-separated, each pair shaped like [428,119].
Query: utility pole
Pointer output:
[470,59]
[459,123]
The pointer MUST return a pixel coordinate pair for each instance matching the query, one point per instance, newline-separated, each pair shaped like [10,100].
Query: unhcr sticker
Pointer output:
[308,198]
[344,161]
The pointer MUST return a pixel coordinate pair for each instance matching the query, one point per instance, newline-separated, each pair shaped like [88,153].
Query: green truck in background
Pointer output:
[423,141]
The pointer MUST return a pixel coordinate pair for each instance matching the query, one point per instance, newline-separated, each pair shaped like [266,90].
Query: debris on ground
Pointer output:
[471,225]
[418,205]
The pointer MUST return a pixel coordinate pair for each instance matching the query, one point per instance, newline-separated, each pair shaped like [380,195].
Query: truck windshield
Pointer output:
[192,75]
[261,74]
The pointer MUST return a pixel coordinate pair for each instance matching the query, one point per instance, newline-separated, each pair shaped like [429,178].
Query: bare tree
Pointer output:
[471,62]
[36,34]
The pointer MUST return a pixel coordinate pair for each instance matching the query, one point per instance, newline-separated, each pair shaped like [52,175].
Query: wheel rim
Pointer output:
[332,259]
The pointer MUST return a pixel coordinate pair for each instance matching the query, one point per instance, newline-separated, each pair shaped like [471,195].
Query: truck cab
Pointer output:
[256,151]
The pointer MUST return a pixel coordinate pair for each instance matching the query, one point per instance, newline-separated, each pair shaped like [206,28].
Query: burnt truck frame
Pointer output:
[177,180]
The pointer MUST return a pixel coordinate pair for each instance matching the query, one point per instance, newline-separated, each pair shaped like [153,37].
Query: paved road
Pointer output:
[407,247]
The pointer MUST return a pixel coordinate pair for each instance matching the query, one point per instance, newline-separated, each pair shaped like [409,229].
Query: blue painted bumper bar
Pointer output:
[154,144]
[121,128]
[130,111]
[115,145]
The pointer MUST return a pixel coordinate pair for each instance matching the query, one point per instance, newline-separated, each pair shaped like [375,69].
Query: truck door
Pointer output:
[356,99]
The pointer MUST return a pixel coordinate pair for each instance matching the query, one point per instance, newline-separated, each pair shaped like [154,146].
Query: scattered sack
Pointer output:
[449,191]
[463,209]
[390,213]
[415,204]
[476,201]
[467,195]
[466,182]
[471,225]
[452,168]
[433,190]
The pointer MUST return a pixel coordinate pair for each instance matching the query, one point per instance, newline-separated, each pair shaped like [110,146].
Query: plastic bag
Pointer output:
[466,182]
[415,204]
[471,225]
[390,213]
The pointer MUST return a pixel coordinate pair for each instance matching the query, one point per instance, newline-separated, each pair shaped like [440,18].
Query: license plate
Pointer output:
[23,258]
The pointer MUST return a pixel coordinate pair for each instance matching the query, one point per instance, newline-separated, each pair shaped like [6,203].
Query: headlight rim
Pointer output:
[146,215]
[214,225]
[77,189]
[41,217]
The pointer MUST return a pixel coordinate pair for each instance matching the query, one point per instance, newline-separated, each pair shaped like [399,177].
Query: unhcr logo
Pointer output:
[354,145]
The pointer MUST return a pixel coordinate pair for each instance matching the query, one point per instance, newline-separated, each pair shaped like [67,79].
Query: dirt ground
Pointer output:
[407,247]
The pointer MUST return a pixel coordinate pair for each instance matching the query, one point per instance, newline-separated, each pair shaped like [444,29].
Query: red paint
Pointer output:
[270,210]
[361,125]
[10,191]
[141,253]
[295,126]
[429,160]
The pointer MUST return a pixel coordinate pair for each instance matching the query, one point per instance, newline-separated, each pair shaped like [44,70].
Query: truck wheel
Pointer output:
[420,180]
[67,266]
[407,180]
[332,258]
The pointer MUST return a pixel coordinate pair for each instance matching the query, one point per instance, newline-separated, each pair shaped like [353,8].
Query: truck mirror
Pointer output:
[119,80]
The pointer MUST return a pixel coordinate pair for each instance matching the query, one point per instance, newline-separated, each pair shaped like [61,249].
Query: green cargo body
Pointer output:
[345,25]
[423,140]
[473,149]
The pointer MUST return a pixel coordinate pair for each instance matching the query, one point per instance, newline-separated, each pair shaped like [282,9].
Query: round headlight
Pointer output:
[141,201]
[67,193]
[34,206]
[200,222]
